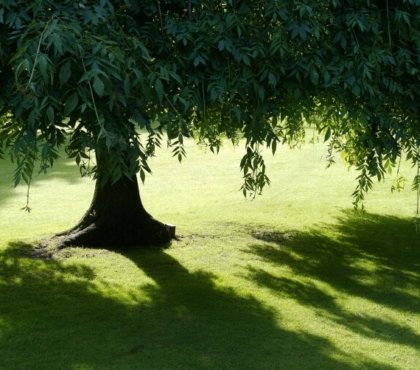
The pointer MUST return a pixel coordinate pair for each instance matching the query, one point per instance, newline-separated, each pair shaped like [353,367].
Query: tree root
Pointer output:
[151,233]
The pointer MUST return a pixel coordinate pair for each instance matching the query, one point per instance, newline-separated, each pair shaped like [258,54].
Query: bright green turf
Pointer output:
[290,280]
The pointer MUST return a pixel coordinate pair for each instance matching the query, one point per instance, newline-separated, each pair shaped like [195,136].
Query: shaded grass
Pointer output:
[292,280]
[356,263]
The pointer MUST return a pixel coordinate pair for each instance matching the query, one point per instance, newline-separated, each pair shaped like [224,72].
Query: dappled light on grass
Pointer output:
[362,274]
[180,319]
[278,282]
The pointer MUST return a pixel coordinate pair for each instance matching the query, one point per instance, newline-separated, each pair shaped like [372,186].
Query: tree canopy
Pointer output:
[87,75]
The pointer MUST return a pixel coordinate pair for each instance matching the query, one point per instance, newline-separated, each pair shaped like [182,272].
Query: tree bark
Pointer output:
[116,218]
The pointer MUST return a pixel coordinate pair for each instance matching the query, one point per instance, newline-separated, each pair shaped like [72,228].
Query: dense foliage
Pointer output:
[87,74]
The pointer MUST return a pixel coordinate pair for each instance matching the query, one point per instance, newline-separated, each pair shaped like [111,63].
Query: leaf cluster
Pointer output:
[89,75]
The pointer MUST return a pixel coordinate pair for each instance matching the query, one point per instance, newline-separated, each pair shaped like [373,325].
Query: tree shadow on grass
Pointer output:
[60,314]
[373,258]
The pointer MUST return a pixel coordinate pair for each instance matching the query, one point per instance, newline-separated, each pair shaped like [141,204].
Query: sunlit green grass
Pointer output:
[291,280]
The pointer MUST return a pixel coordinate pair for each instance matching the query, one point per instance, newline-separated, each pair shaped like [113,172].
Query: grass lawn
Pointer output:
[291,280]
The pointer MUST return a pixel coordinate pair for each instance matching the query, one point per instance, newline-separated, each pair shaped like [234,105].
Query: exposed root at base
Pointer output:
[97,237]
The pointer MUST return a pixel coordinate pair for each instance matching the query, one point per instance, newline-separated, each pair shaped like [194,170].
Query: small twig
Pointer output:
[26,208]
[90,88]
[160,16]
[189,10]
[418,197]
[358,45]
[388,24]
[204,99]
[28,190]
[399,166]
[38,51]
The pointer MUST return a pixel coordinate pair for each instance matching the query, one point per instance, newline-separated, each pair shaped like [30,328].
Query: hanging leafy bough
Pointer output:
[88,75]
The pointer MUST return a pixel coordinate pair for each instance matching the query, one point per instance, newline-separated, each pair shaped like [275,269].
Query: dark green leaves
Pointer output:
[159,89]
[98,86]
[98,71]
[65,73]
[253,168]
[50,114]
[43,64]
[71,103]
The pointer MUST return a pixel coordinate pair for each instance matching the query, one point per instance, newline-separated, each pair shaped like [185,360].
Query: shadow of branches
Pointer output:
[60,314]
[373,258]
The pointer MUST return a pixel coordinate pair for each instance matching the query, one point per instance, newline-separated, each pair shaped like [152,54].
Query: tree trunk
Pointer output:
[116,218]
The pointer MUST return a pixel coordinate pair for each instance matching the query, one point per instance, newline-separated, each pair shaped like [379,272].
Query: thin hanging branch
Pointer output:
[160,17]
[38,51]
[26,208]
[388,24]
[189,10]
[418,196]
[90,89]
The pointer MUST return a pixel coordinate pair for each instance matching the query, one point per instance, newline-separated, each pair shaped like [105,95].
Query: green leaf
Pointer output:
[50,114]
[98,86]
[221,45]
[314,76]
[272,80]
[274,146]
[198,60]
[159,89]
[127,86]
[142,176]
[261,93]
[327,77]
[58,44]
[416,183]
[43,67]
[328,134]
[356,89]
[71,103]
[65,73]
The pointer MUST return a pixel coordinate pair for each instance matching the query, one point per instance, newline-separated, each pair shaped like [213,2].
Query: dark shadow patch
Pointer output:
[273,236]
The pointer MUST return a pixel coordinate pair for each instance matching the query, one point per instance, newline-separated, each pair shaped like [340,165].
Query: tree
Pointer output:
[111,80]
